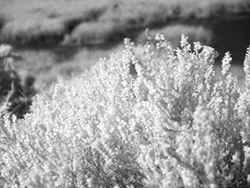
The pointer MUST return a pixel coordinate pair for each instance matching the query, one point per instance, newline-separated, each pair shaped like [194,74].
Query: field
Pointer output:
[62,19]
[63,37]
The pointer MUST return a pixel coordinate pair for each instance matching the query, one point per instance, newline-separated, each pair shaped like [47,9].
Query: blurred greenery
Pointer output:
[46,67]
[58,20]
[89,29]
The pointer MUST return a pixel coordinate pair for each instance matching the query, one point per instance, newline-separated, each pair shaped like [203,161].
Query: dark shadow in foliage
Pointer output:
[2,21]
[93,168]
[15,94]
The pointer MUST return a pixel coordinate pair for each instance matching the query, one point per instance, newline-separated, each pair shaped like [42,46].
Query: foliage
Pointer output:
[151,116]
[15,96]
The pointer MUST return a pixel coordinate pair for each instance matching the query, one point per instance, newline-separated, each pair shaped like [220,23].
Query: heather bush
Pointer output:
[151,116]
[15,93]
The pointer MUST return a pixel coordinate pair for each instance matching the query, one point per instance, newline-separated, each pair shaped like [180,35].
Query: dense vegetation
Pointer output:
[152,116]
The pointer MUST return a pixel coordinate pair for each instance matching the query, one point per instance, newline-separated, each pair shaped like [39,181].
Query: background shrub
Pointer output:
[155,116]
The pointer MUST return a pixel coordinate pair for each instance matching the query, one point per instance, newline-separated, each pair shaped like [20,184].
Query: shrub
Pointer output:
[33,30]
[15,96]
[91,33]
[152,117]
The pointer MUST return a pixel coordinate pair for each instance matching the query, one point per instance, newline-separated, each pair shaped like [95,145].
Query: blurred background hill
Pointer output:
[66,37]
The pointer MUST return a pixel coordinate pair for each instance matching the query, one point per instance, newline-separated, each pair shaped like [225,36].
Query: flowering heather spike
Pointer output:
[226,63]
[128,44]
[158,37]
[197,46]
[247,68]
[184,41]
